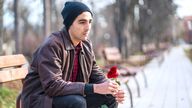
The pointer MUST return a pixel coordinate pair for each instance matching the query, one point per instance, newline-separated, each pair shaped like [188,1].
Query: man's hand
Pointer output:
[120,95]
[108,87]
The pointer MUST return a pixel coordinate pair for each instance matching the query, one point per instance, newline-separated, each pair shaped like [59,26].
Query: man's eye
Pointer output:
[82,22]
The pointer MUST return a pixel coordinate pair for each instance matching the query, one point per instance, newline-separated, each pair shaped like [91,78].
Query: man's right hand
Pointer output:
[108,87]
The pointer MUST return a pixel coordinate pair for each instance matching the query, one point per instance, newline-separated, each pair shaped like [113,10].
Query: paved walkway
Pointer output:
[169,84]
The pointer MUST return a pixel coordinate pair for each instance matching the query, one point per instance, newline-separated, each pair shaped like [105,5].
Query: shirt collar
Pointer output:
[79,46]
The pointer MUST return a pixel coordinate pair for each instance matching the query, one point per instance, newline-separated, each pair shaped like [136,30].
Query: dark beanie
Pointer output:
[71,10]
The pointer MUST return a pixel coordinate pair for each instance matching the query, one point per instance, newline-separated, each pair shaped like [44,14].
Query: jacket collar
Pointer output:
[66,39]
[68,43]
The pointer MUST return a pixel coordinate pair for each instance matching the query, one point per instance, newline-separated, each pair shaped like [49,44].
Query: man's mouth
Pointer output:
[86,33]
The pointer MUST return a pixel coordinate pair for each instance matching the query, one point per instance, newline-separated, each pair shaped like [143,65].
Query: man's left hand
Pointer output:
[120,95]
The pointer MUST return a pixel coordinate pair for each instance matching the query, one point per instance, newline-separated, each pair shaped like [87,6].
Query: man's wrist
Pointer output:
[88,89]
[95,88]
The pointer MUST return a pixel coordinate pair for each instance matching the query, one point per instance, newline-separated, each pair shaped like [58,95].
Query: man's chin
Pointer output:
[85,37]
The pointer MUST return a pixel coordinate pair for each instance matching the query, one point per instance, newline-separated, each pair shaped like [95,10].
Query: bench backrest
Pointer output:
[112,55]
[13,67]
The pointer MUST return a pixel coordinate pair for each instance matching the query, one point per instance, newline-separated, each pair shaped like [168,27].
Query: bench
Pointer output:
[150,50]
[13,67]
[131,65]
[112,57]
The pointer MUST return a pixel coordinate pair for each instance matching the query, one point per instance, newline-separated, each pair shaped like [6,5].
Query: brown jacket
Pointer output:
[51,68]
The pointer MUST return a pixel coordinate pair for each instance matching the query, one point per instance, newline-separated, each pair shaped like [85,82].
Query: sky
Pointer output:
[184,6]
[184,9]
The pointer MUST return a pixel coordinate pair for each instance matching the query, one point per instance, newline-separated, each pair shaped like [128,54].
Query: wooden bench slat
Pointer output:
[138,60]
[13,74]
[13,67]
[112,54]
[12,60]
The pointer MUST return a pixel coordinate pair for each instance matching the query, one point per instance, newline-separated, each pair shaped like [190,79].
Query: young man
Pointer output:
[63,72]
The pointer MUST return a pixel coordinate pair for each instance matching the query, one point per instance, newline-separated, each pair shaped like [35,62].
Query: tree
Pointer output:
[137,23]
[16,34]
[56,22]
[155,18]
[1,26]
[124,24]
[47,17]
[94,25]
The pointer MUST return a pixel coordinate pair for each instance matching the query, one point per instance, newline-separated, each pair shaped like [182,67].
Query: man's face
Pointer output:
[80,27]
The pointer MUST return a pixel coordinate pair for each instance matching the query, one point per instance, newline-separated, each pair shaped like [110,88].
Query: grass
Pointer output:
[188,52]
[7,97]
[100,62]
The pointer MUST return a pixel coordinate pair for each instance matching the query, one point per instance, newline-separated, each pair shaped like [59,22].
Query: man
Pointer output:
[63,72]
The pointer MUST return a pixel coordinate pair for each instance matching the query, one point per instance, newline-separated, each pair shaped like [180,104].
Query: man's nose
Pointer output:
[88,26]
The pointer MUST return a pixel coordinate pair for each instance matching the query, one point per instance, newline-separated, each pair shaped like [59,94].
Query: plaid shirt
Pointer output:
[76,63]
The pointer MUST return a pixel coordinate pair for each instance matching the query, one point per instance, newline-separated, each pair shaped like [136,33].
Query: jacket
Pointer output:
[51,68]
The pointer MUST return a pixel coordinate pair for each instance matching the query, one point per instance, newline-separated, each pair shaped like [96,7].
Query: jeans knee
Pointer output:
[111,103]
[79,102]
[69,101]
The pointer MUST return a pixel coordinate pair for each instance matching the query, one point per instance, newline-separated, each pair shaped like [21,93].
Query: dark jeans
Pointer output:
[90,101]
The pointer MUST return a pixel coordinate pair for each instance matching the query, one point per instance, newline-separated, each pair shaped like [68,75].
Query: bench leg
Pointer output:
[18,101]
[130,94]
[138,87]
[145,78]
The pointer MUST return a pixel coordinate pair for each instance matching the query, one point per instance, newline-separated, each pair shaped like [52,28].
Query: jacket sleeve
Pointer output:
[50,73]
[97,75]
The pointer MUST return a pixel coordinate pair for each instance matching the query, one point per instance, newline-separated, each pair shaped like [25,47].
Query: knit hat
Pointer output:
[71,10]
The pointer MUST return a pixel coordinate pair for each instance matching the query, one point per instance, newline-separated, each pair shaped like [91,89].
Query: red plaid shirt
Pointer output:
[76,63]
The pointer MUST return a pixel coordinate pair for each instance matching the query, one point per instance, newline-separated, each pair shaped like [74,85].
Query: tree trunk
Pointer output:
[1,26]
[47,17]
[17,46]
[57,22]
[124,23]
[94,25]
[155,19]
[118,24]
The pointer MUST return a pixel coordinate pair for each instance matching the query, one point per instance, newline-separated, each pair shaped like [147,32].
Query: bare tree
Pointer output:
[24,13]
[47,17]
[124,23]
[153,22]
[1,26]
[94,26]
[16,34]
[55,23]
[155,19]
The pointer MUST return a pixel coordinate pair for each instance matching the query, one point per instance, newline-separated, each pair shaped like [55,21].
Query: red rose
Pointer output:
[113,72]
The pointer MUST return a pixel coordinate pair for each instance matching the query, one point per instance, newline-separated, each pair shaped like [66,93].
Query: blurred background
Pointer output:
[132,26]
[127,24]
